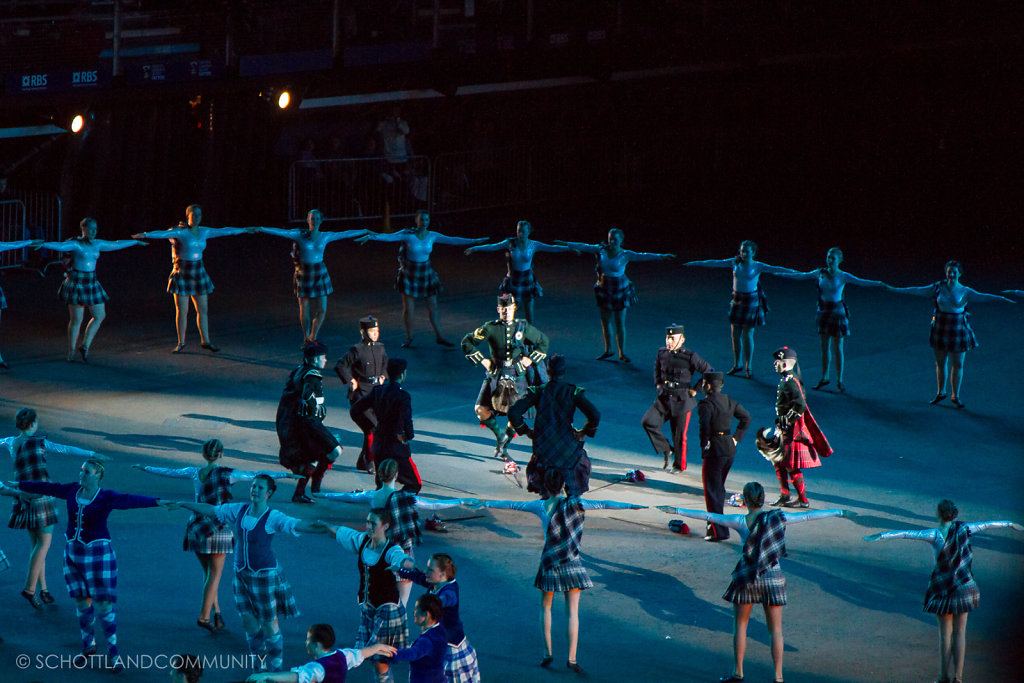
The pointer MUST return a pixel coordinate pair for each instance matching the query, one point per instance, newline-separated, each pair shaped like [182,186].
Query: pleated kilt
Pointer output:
[964,599]
[189,278]
[952,332]
[90,570]
[82,289]
[832,319]
[521,285]
[35,514]
[205,535]
[418,279]
[312,281]
[387,623]
[264,595]
[745,309]
[767,589]
[460,663]
[615,293]
[563,577]
[3,299]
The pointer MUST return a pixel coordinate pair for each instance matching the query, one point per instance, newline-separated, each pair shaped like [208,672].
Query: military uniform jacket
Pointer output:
[507,344]
[554,439]
[716,412]
[673,376]
[393,407]
[789,401]
[364,362]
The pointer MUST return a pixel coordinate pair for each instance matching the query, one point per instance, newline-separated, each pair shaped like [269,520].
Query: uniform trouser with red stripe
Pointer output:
[785,475]
[408,474]
[657,415]
[713,471]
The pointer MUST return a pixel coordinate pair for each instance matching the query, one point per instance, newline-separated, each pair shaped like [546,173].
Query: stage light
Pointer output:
[284,99]
[77,123]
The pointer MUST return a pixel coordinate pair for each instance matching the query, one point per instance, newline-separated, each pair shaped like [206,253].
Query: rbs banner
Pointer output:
[58,80]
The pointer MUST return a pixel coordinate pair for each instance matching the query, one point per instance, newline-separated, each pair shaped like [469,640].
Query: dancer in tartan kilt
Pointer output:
[210,540]
[80,288]
[460,663]
[188,279]
[363,367]
[417,279]
[262,592]
[519,279]
[35,514]
[832,318]
[383,617]
[951,336]
[11,246]
[749,305]
[312,283]
[952,592]
[561,570]
[757,578]
[613,290]
[90,565]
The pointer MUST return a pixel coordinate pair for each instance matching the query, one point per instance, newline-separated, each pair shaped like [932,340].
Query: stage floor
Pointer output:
[656,612]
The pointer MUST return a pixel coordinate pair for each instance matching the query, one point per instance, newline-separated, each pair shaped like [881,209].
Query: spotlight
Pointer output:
[77,123]
[284,99]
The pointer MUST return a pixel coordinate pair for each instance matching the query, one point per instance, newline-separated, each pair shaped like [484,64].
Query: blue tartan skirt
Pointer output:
[312,281]
[460,663]
[34,514]
[189,278]
[767,589]
[90,570]
[832,319]
[387,623]
[563,577]
[521,285]
[964,599]
[615,293]
[952,332]
[418,279]
[745,309]
[207,536]
[81,288]
[265,595]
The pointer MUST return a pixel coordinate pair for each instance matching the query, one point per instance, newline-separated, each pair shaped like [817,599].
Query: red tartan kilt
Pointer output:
[797,450]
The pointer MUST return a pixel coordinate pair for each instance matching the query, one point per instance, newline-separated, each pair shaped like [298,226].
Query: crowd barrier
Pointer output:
[29,216]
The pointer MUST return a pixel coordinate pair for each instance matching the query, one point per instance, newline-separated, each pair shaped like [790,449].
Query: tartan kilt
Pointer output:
[265,595]
[563,577]
[90,570]
[82,289]
[615,293]
[796,454]
[207,536]
[387,623]
[767,589]
[189,278]
[951,332]
[3,299]
[521,285]
[460,663]
[35,514]
[964,599]
[832,319]
[745,309]
[418,279]
[312,281]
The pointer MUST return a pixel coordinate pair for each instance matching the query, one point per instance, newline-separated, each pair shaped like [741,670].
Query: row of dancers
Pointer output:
[951,335]
[384,554]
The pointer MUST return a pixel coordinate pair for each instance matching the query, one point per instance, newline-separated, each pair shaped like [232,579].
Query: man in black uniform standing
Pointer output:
[556,443]
[514,346]
[718,445]
[392,406]
[307,448]
[363,367]
[674,371]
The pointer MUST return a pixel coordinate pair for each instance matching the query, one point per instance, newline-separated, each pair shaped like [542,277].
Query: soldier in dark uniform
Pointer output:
[718,445]
[364,366]
[556,443]
[307,448]
[514,346]
[392,406]
[674,369]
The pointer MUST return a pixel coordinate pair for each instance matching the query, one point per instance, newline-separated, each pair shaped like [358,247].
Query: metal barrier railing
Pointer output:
[484,179]
[347,189]
[12,229]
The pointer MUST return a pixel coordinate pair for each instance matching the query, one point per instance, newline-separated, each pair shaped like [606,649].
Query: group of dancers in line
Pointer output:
[950,336]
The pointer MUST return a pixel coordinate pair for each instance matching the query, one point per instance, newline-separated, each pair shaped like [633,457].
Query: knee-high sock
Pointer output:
[318,474]
[798,483]
[86,624]
[783,476]
[257,648]
[108,621]
[275,651]
[492,424]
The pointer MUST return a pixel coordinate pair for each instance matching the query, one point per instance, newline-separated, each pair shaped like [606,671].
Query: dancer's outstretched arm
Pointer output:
[714,263]
[732,521]
[497,246]
[797,517]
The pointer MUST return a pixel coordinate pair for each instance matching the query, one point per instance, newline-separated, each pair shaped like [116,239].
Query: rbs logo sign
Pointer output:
[33,81]
[84,77]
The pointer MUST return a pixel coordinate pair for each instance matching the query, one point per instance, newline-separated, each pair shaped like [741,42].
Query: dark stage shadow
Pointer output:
[844,502]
